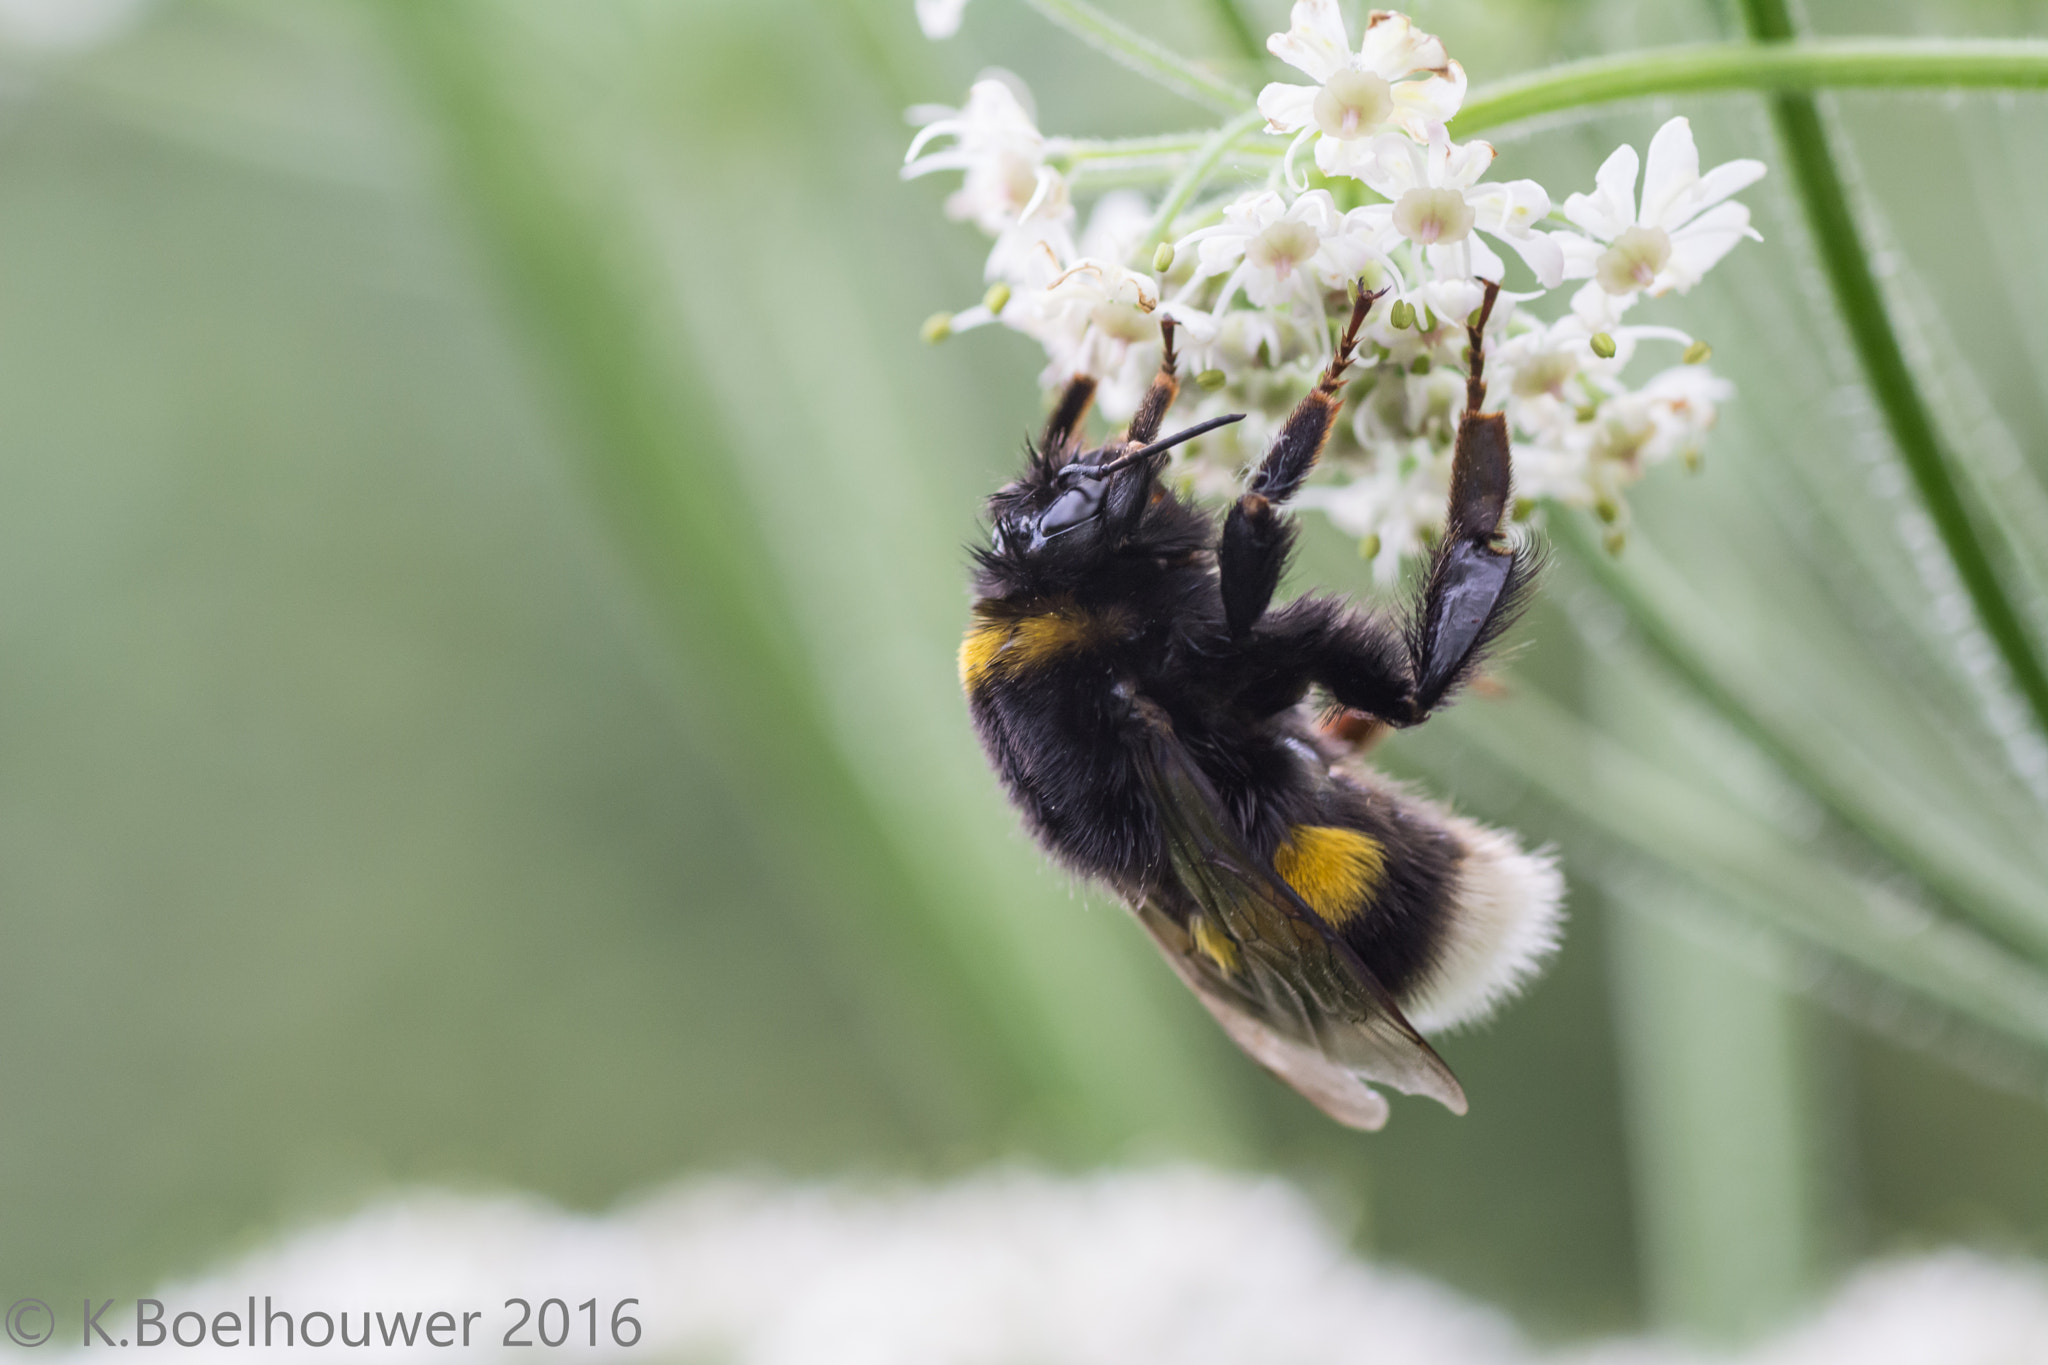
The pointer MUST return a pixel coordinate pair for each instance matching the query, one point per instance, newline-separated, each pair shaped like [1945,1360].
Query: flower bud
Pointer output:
[1369,548]
[997,298]
[1162,257]
[1697,353]
[1420,365]
[1524,509]
[1607,510]
[1211,380]
[936,328]
[1613,542]
[1692,462]
[1603,345]
[1402,315]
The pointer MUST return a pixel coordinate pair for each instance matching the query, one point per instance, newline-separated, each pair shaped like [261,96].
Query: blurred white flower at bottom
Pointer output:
[1158,1267]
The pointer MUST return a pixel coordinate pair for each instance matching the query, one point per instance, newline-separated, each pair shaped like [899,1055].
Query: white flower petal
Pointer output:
[1580,254]
[1599,311]
[1346,156]
[1672,171]
[1318,210]
[1435,99]
[1391,164]
[1486,263]
[1612,205]
[1315,43]
[1541,252]
[1728,178]
[1393,47]
[1512,207]
[1700,244]
[1457,167]
[1287,107]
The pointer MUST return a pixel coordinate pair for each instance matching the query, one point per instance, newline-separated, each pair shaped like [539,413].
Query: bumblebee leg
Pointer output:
[1165,388]
[1475,586]
[1301,440]
[1256,541]
[1066,418]
[1360,660]
[1254,550]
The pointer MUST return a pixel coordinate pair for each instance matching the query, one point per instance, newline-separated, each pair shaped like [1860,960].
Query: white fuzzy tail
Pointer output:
[1506,918]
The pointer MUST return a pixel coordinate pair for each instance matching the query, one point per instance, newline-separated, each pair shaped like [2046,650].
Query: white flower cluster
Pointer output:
[1168,1267]
[1257,280]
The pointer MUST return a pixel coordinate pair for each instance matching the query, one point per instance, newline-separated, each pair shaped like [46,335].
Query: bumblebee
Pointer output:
[1148,708]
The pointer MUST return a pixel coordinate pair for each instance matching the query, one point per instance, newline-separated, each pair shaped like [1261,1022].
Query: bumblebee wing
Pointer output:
[1284,985]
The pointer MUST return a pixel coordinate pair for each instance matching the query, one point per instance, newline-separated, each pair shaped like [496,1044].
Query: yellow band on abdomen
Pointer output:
[1332,868]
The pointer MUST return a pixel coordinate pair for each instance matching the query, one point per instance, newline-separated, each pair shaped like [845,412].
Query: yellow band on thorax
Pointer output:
[1010,644]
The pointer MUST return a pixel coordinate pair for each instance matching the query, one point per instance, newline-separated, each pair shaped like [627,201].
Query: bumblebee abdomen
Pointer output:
[1451,915]
[1335,869]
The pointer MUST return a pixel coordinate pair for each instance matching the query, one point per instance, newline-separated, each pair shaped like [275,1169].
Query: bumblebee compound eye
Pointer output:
[1071,509]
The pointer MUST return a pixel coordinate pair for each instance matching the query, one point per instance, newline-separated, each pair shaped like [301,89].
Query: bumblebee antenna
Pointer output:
[1168,443]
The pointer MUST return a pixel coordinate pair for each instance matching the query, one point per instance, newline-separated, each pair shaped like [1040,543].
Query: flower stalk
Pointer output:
[1789,66]
[1818,183]
[1154,61]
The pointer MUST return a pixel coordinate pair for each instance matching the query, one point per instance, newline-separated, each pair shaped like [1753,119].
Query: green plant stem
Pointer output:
[1784,66]
[1191,179]
[1156,63]
[1972,880]
[1817,181]
[1146,160]
[664,472]
[1744,863]
[1231,16]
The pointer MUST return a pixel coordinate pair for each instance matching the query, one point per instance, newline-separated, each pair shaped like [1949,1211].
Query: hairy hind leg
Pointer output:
[1475,586]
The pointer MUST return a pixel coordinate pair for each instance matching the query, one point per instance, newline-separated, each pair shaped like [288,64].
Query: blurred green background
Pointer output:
[480,561]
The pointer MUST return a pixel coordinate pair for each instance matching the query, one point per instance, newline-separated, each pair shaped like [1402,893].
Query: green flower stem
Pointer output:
[1231,16]
[1973,880]
[663,469]
[1080,154]
[1127,46]
[1148,160]
[1785,66]
[1818,182]
[1192,177]
[1744,863]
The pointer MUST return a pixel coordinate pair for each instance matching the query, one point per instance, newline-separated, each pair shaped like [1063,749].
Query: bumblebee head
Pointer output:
[1070,503]
[1062,518]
